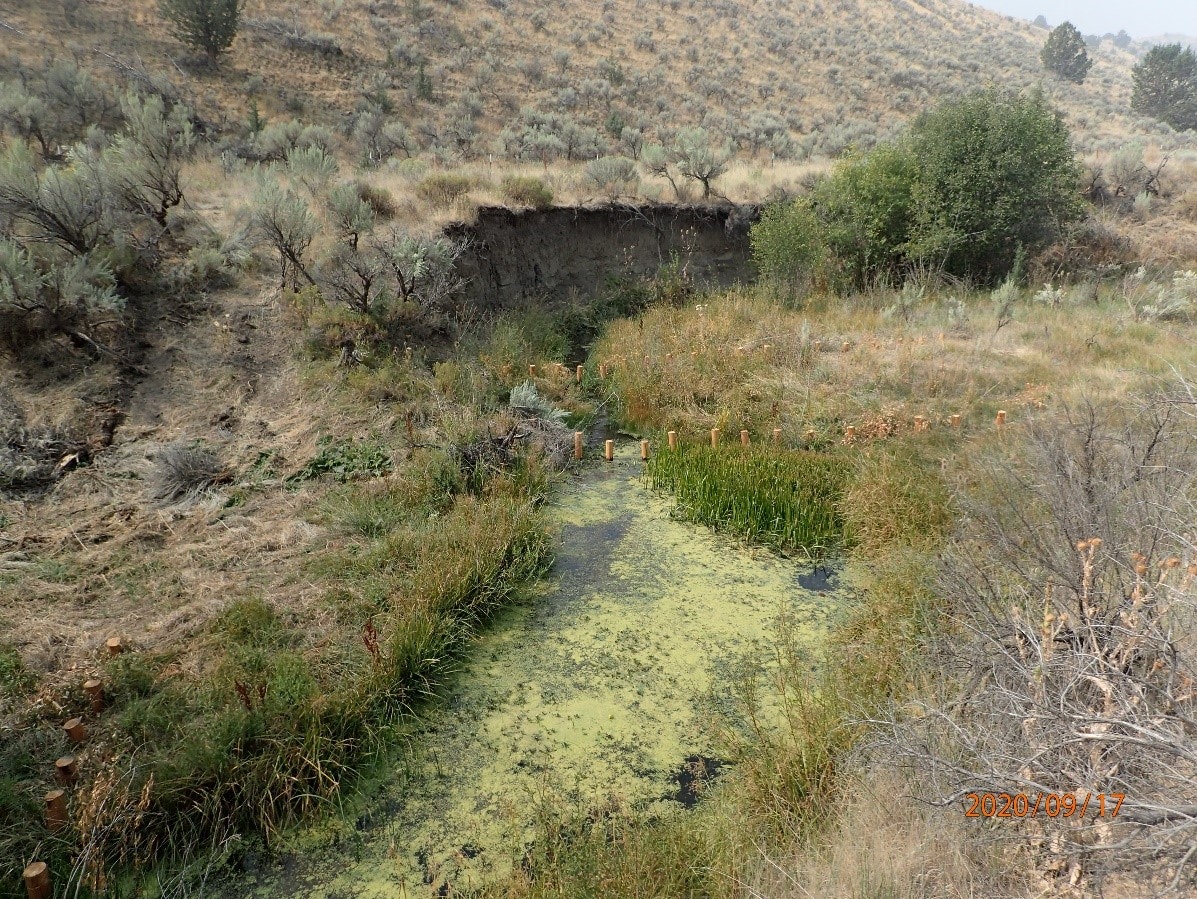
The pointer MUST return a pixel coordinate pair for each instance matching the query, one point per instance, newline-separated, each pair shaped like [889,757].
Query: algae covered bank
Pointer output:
[588,694]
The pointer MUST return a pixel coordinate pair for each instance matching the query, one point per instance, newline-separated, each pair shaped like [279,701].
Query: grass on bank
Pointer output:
[786,499]
[270,712]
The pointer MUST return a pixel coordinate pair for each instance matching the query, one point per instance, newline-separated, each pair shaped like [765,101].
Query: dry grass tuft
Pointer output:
[185,470]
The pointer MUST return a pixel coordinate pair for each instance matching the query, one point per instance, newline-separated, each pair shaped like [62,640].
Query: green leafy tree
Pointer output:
[1166,86]
[1065,53]
[975,183]
[867,206]
[996,172]
[207,25]
[789,247]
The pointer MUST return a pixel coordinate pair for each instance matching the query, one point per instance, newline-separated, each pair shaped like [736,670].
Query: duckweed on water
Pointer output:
[590,696]
[786,499]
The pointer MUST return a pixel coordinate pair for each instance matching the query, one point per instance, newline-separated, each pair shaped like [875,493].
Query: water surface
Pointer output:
[589,692]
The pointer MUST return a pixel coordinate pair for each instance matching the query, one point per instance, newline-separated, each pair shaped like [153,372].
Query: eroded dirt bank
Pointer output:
[552,255]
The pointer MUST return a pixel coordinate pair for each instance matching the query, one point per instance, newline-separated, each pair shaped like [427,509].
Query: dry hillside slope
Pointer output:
[793,78]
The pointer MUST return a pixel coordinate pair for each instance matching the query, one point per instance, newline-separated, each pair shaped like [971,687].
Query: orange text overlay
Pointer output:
[1042,805]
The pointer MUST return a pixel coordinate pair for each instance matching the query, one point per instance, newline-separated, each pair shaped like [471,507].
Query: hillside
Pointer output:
[792,79]
[1186,40]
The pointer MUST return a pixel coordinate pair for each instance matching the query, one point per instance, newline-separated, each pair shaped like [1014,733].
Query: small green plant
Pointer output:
[380,200]
[346,460]
[526,400]
[788,247]
[14,677]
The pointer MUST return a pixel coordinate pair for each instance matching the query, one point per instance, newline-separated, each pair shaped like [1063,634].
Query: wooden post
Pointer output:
[531,371]
[37,881]
[956,421]
[850,432]
[1001,419]
[95,692]
[777,435]
[115,647]
[744,440]
[609,450]
[714,437]
[56,809]
[673,440]
[847,346]
[766,348]
[644,450]
[64,770]
[918,423]
[577,444]
[76,730]
[818,346]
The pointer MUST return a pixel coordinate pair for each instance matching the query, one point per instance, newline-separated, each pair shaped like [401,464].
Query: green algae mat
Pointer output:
[589,692]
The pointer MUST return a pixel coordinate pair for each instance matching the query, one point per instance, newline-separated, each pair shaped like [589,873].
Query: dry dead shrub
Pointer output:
[1094,246]
[183,469]
[1071,671]
[33,454]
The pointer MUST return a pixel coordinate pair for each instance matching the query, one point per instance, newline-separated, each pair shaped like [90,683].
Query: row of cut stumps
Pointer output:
[38,883]
[921,423]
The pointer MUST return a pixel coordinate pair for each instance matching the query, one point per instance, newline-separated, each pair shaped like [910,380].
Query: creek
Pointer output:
[593,690]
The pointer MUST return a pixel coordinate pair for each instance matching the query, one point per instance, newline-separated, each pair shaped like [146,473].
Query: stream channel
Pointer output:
[592,688]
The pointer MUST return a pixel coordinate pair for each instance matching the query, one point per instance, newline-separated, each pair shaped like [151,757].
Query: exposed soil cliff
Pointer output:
[513,257]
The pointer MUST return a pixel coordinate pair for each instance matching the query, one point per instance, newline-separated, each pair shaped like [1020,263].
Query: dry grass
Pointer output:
[883,846]
[740,361]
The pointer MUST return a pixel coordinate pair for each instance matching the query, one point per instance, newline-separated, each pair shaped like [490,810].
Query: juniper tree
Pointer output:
[1166,86]
[206,25]
[1065,53]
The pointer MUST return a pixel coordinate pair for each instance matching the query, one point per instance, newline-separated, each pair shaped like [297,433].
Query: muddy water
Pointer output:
[590,690]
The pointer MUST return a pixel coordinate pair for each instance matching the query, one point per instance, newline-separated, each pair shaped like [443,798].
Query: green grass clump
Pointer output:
[276,727]
[527,190]
[14,677]
[442,189]
[789,500]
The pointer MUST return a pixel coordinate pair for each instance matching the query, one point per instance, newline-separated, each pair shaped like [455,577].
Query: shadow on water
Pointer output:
[820,579]
[590,692]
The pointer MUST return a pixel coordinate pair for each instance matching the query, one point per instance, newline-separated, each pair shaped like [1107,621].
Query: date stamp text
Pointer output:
[1046,805]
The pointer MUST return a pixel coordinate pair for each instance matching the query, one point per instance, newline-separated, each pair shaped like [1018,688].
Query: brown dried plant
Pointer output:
[1072,663]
